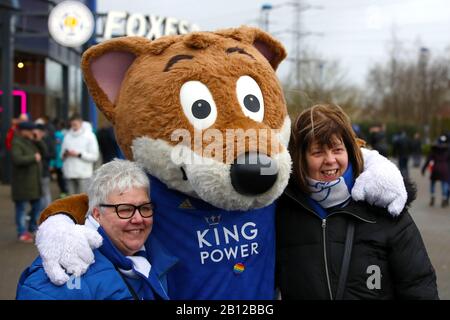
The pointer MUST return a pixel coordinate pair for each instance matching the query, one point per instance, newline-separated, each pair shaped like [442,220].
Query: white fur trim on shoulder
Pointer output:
[380,184]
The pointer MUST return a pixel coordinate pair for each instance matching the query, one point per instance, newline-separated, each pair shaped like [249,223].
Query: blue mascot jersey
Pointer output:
[223,254]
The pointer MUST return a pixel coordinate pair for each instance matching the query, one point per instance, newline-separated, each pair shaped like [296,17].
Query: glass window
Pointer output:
[75,82]
[53,77]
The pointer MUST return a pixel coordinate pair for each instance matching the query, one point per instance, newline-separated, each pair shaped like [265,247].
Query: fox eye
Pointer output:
[250,98]
[198,104]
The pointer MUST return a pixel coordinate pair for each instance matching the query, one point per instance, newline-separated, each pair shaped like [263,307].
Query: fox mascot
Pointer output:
[170,100]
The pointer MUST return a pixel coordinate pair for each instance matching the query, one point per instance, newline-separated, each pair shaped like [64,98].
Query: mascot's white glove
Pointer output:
[380,184]
[65,247]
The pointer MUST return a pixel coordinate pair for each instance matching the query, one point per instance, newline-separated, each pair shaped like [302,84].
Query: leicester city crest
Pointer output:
[71,23]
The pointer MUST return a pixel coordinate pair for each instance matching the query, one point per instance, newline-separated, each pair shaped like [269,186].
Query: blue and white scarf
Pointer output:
[136,268]
[329,194]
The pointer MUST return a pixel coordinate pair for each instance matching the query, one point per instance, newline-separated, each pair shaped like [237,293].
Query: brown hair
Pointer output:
[318,124]
[75,117]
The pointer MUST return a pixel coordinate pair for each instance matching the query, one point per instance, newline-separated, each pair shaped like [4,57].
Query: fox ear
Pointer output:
[271,49]
[105,66]
[267,45]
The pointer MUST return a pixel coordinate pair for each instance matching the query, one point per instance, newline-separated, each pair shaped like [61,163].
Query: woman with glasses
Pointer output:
[128,264]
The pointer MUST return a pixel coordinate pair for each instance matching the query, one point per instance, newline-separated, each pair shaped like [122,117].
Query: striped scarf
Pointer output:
[329,194]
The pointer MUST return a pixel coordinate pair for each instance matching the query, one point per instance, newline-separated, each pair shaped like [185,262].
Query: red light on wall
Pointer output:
[23,100]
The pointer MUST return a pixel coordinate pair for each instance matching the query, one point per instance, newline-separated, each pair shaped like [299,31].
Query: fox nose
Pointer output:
[253,173]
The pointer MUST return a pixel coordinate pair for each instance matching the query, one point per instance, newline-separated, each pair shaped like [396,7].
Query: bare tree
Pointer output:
[321,81]
[408,91]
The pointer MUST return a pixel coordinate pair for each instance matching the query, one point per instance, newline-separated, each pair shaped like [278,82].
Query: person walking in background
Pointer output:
[79,152]
[401,147]
[416,150]
[439,156]
[26,178]
[331,247]
[49,128]
[57,162]
[14,124]
[42,134]
[358,131]
[377,139]
[129,265]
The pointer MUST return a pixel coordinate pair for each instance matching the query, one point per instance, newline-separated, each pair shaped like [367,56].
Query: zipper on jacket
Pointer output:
[324,226]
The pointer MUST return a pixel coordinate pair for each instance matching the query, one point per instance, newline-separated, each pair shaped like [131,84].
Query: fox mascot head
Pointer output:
[204,113]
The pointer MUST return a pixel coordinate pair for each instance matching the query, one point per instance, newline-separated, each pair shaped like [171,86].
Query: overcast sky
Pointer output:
[358,33]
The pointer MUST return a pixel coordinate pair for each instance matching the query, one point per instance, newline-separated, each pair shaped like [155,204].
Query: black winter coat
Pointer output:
[310,252]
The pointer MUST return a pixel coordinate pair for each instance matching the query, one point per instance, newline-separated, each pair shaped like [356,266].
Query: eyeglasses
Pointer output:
[127,210]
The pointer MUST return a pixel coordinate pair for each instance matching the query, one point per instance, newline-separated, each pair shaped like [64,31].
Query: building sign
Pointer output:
[71,23]
[121,23]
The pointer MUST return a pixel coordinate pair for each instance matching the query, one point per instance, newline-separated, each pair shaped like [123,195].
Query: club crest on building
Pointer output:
[71,23]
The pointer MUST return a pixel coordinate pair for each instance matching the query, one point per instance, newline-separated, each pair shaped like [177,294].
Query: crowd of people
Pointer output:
[436,162]
[43,150]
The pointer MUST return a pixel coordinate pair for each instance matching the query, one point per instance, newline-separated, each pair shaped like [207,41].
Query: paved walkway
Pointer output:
[434,224]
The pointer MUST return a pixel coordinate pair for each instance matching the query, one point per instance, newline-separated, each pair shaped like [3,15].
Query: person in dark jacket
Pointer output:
[331,247]
[128,265]
[439,156]
[57,162]
[377,139]
[108,144]
[401,146]
[41,133]
[26,178]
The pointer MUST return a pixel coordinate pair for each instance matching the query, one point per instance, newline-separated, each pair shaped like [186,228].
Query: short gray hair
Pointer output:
[115,176]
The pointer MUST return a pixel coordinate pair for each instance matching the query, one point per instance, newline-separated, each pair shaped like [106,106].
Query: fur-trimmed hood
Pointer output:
[411,190]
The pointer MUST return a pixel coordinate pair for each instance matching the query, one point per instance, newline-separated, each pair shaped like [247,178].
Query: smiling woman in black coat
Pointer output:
[330,247]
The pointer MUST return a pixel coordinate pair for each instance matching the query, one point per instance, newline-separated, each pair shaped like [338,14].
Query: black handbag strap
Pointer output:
[345,260]
[130,288]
